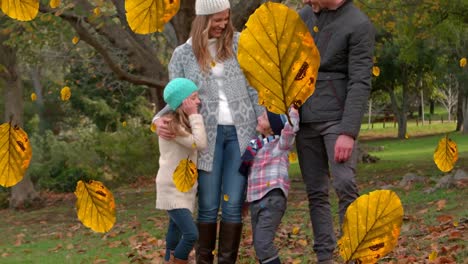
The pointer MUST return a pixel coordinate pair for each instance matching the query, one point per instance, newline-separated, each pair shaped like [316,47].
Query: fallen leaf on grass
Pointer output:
[98,261]
[115,244]
[444,218]
[302,242]
[441,204]
[423,211]
[55,249]
[19,239]
[455,235]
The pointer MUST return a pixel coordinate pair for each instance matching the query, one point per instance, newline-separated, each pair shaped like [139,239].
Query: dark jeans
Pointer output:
[224,184]
[315,144]
[182,233]
[266,215]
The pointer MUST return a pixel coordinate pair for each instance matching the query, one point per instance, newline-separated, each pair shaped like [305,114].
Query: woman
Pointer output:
[229,109]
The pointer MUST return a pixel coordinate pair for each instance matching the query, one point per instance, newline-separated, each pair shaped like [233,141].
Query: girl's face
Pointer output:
[263,125]
[218,24]
[194,98]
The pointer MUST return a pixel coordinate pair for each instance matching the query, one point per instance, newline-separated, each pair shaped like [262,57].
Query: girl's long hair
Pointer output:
[199,33]
[179,123]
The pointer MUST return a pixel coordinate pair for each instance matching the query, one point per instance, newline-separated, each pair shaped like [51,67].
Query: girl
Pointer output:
[187,124]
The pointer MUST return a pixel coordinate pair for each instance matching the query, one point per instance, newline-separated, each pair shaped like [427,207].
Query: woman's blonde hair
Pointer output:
[179,123]
[199,33]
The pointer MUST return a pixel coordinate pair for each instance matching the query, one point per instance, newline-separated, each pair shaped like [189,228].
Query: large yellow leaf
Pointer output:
[279,57]
[95,206]
[15,154]
[23,10]
[371,227]
[185,175]
[148,16]
[446,154]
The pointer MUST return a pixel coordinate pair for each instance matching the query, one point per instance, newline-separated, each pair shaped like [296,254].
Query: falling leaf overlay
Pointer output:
[279,57]
[75,40]
[95,206]
[371,227]
[54,3]
[23,10]
[462,62]
[33,97]
[65,93]
[148,16]
[15,154]
[446,154]
[376,71]
[185,175]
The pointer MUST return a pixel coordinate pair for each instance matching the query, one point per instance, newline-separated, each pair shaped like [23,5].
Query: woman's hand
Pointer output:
[162,128]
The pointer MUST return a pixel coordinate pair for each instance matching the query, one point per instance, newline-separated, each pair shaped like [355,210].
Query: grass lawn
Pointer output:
[435,224]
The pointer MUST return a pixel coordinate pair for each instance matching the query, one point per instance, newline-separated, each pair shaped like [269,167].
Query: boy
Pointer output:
[266,164]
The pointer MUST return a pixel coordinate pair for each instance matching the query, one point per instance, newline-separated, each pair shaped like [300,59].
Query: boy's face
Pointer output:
[263,125]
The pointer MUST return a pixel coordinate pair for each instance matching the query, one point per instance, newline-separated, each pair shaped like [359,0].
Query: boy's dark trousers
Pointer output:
[266,215]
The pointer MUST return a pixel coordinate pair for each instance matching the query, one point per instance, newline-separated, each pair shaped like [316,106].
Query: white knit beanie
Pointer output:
[209,7]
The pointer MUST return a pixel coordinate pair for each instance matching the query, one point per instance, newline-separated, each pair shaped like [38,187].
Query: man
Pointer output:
[331,117]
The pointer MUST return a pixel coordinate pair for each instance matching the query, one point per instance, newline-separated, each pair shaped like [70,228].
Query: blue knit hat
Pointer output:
[177,90]
[276,122]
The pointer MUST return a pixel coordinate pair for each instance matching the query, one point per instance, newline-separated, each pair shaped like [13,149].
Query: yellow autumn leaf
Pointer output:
[295,230]
[148,16]
[433,256]
[54,3]
[95,206]
[124,124]
[33,97]
[226,197]
[446,154]
[153,127]
[316,29]
[97,11]
[371,227]
[279,57]
[302,242]
[462,62]
[65,93]
[185,175]
[15,154]
[292,157]
[75,40]
[376,71]
[23,10]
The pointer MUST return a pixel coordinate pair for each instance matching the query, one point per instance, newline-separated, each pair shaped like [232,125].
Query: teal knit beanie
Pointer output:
[177,90]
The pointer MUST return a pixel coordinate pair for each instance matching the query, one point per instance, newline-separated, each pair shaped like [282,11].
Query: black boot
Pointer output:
[206,242]
[229,240]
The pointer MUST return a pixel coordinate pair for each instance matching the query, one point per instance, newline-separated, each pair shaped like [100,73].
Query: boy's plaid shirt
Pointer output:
[271,164]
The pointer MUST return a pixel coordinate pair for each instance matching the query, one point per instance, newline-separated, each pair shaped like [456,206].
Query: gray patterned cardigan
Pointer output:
[242,98]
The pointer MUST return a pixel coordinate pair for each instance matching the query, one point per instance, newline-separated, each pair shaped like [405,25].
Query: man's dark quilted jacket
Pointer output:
[345,40]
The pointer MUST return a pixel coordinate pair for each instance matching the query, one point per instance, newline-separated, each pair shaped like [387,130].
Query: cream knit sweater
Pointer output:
[171,153]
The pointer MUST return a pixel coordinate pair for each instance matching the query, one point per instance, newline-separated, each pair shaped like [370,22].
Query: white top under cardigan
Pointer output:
[224,115]
[171,153]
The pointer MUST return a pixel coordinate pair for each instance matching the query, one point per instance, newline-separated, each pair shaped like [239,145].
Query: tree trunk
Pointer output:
[465,115]
[460,109]
[400,112]
[23,194]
